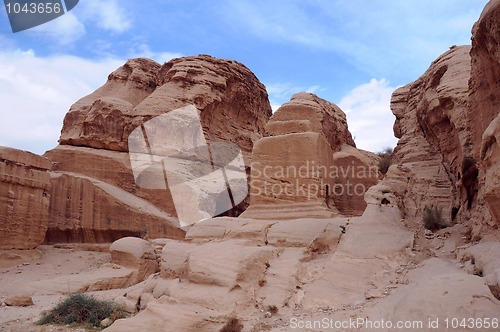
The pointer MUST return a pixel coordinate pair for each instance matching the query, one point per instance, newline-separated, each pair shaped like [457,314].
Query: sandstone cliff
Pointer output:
[445,152]
[24,199]
[93,148]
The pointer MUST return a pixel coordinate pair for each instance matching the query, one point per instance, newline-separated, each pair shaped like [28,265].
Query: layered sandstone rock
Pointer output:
[291,167]
[233,107]
[447,122]
[224,91]
[84,209]
[24,199]
[484,82]
[433,159]
[136,253]
[484,103]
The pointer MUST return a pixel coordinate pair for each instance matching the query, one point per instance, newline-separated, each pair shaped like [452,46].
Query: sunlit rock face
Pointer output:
[232,107]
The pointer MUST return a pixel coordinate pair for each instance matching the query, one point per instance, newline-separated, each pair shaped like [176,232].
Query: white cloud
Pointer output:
[37,92]
[377,36]
[144,51]
[65,29]
[280,93]
[107,14]
[369,116]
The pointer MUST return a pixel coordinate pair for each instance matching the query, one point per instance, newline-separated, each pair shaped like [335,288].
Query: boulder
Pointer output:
[135,253]
[24,198]
[18,301]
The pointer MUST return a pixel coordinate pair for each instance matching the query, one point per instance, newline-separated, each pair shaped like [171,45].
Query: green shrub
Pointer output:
[82,310]
[385,160]
[433,217]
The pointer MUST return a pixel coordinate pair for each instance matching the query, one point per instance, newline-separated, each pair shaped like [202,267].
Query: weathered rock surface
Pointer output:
[223,90]
[233,107]
[24,198]
[306,112]
[241,267]
[447,122]
[431,127]
[18,301]
[87,210]
[355,171]
[136,253]
[436,290]
[103,119]
[293,169]
[485,73]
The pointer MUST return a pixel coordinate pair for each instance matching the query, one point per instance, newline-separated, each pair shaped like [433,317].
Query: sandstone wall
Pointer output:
[447,122]
[24,198]
[233,107]
[83,209]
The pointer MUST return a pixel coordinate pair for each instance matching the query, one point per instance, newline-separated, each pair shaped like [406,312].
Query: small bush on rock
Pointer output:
[82,310]
[385,160]
[433,217]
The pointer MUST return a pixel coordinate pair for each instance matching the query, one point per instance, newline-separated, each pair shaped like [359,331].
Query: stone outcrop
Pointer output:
[484,81]
[24,198]
[136,253]
[93,150]
[484,96]
[293,172]
[434,161]
[224,91]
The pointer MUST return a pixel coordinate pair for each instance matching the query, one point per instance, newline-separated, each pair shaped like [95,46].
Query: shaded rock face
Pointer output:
[24,198]
[448,126]
[91,211]
[293,169]
[434,141]
[435,160]
[484,96]
[233,107]
[484,82]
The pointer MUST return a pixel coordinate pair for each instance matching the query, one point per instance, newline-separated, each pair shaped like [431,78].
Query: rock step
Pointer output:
[289,211]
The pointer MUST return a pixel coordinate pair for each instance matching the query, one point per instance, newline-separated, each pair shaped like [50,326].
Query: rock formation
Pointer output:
[24,199]
[293,169]
[94,185]
[223,90]
[447,122]
[432,136]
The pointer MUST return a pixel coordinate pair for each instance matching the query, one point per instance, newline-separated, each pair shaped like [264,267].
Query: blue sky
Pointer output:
[353,53]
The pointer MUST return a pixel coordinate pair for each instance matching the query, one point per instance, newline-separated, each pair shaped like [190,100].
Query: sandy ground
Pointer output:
[19,268]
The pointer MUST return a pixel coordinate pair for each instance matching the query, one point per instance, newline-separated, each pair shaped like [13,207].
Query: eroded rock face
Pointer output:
[306,112]
[87,210]
[484,102]
[434,160]
[24,198]
[233,107]
[485,73]
[293,170]
[225,91]
[103,119]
